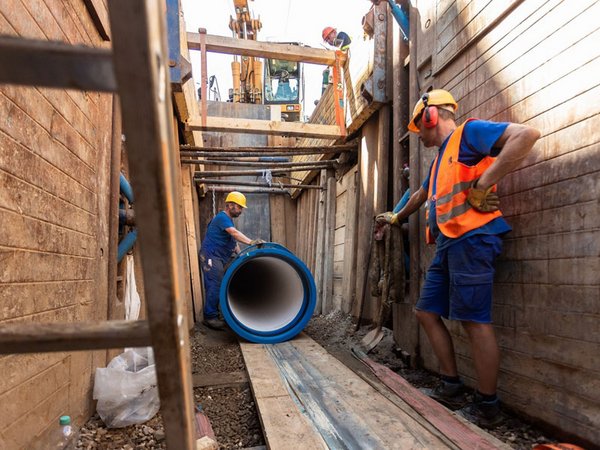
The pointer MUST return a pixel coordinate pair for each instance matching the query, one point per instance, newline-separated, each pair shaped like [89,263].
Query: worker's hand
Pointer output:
[256,242]
[483,200]
[387,217]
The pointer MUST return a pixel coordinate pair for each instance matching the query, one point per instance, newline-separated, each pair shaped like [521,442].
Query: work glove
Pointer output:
[387,217]
[483,200]
[256,242]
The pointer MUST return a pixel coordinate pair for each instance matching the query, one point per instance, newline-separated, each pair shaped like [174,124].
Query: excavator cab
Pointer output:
[282,86]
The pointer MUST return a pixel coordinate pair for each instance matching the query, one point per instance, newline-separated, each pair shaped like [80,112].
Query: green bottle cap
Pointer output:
[65,420]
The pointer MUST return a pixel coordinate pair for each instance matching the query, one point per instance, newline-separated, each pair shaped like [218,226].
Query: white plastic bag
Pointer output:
[126,389]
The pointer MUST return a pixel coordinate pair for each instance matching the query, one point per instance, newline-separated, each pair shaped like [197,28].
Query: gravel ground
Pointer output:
[232,412]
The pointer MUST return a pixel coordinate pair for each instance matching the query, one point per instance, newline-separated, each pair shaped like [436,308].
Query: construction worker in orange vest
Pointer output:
[465,223]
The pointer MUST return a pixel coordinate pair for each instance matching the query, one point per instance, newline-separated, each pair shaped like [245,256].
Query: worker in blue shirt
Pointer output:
[220,245]
[465,223]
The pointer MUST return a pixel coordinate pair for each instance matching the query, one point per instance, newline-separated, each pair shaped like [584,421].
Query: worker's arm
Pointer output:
[516,141]
[238,235]
[414,203]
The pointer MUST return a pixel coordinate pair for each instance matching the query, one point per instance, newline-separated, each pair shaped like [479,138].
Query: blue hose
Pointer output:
[267,295]
[125,188]
[126,244]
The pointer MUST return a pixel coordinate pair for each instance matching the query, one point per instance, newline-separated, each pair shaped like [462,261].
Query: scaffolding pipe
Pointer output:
[350,147]
[258,172]
[262,164]
[256,183]
[249,190]
[268,295]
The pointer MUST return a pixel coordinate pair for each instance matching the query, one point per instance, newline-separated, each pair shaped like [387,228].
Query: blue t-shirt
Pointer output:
[217,241]
[478,139]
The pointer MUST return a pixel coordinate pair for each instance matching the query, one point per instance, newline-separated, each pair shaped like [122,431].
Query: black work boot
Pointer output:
[215,323]
[451,395]
[485,414]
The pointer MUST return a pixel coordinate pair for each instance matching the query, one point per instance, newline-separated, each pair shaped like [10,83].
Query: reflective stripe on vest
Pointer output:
[454,215]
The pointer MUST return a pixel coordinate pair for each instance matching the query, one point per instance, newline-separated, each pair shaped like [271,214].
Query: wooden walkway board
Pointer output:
[339,407]
[283,424]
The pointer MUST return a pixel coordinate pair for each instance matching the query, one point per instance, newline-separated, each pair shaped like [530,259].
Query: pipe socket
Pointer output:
[268,295]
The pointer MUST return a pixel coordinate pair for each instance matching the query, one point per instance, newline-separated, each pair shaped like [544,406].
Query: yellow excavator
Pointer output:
[282,82]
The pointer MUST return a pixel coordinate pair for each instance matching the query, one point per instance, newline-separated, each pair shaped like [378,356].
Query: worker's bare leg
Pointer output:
[440,340]
[486,355]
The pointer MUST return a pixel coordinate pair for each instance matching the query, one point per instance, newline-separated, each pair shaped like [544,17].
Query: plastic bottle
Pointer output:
[67,439]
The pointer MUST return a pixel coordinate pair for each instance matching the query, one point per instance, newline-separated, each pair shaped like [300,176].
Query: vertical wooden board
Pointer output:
[320,250]
[328,247]
[278,220]
[291,223]
[350,242]
[365,210]
[192,243]
[138,29]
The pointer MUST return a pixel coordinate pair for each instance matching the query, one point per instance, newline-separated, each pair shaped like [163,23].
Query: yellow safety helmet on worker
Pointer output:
[236,197]
[436,97]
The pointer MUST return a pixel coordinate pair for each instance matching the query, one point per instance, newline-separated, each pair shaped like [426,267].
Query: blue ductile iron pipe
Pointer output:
[126,244]
[268,295]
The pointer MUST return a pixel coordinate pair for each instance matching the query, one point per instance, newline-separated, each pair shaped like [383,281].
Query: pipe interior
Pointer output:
[265,294]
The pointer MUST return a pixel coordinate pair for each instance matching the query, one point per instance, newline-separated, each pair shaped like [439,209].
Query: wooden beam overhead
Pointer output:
[243,47]
[254,126]
[60,337]
[56,65]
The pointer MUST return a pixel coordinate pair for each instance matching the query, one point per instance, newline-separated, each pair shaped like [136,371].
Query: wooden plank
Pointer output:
[245,47]
[264,127]
[55,64]
[328,245]
[192,242]
[225,379]
[284,426]
[433,412]
[58,337]
[350,242]
[141,66]
[320,250]
[345,409]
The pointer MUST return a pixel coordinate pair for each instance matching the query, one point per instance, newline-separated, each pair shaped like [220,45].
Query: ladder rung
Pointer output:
[56,64]
[59,337]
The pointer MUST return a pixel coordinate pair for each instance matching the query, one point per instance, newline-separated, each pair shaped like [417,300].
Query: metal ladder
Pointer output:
[136,69]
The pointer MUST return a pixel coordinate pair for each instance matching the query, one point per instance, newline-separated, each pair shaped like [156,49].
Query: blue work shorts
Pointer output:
[458,284]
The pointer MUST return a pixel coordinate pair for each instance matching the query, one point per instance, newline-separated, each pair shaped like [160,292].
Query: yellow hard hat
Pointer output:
[435,97]
[237,198]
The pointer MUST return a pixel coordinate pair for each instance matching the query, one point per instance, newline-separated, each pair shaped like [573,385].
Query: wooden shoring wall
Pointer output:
[533,62]
[55,160]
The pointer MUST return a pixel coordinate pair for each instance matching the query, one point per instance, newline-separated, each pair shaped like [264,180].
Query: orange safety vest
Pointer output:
[454,215]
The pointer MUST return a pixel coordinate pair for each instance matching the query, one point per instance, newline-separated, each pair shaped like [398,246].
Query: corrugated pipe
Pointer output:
[268,295]
[126,188]
[126,244]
